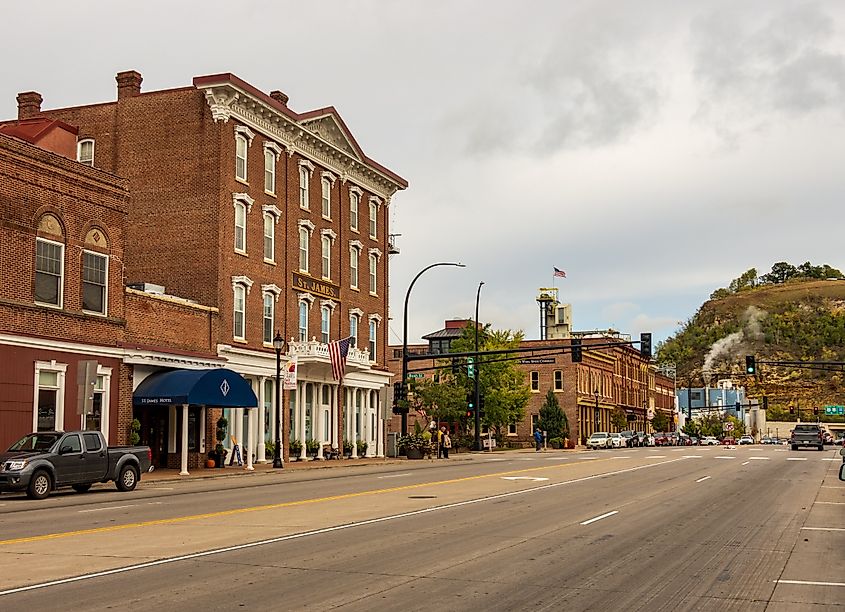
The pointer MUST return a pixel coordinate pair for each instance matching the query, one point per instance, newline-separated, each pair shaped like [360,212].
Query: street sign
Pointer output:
[834,410]
[729,426]
[416,375]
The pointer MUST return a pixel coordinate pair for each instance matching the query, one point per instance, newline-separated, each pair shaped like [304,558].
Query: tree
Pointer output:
[781,272]
[746,280]
[720,293]
[444,400]
[660,421]
[552,419]
[619,419]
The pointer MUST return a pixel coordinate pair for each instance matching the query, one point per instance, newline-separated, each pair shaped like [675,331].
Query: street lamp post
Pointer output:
[278,343]
[596,415]
[405,333]
[476,369]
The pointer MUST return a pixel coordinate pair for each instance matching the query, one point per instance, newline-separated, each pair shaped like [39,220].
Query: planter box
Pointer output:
[413,453]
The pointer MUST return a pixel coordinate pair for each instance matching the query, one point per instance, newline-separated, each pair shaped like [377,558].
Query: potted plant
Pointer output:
[362,447]
[556,443]
[134,432]
[415,445]
[312,447]
[220,435]
[294,449]
[347,448]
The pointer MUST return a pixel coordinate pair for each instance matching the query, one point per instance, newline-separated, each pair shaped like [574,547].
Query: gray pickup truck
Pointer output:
[807,434]
[40,462]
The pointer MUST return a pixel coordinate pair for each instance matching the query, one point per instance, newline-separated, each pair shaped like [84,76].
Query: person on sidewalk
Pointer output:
[440,433]
[538,439]
[447,444]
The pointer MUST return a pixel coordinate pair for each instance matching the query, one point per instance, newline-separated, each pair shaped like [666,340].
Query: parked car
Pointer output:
[632,438]
[766,440]
[746,439]
[41,462]
[709,441]
[616,440]
[648,439]
[695,441]
[728,441]
[661,439]
[600,439]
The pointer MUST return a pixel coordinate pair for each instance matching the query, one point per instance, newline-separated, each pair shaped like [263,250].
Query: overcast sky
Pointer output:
[653,150]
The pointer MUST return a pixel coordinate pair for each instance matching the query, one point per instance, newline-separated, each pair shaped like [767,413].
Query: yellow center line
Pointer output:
[290,504]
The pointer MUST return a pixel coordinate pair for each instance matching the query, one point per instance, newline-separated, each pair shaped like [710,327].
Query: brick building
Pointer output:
[607,378]
[277,220]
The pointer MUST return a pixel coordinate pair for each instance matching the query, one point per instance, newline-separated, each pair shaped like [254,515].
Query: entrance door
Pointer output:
[154,431]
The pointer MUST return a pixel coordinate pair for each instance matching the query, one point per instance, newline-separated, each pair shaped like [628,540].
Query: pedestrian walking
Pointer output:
[440,433]
[538,439]
[447,444]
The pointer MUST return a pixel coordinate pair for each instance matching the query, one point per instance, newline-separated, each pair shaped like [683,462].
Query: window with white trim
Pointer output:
[373,274]
[354,201]
[558,380]
[269,317]
[326,185]
[535,380]
[240,227]
[373,219]
[85,152]
[511,429]
[239,312]
[304,177]
[303,249]
[353,329]
[98,418]
[49,272]
[303,321]
[325,324]
[94,282]
[354,256]
[327,256]
[49,403]
[269,171]
[269,237]
[373,337]
[241,146]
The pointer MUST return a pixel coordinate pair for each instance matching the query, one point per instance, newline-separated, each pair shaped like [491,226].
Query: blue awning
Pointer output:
[218,387]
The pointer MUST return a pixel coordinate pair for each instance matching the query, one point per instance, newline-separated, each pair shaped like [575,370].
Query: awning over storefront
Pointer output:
[218,387]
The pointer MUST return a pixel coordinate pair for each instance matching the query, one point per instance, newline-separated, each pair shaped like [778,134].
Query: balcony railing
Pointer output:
[314,348]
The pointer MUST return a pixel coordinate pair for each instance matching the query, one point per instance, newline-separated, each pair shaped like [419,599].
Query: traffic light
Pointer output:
[750,364]
[816,410]
[455,366]
[645,345]
[792,410]
[576,350]
[765,402]
[470,401]
[481,406]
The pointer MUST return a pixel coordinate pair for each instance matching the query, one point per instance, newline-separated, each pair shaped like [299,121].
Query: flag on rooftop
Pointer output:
[338,350]
[560,273]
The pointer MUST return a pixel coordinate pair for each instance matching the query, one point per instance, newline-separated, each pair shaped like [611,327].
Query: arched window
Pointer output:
[269,171]
[354,201]
[354,255]
[239,312]
[304,176]
[327,197]
[373,337]
[325,324]
[327,256]
[269,237]
[85,152]
[353,329]
[303,249]
[240,156]
[50,262]
[269,317]
[303,321]
[373,219]
[240,227]
[373,274]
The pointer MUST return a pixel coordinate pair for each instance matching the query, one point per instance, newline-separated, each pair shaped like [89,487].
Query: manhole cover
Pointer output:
[422,497]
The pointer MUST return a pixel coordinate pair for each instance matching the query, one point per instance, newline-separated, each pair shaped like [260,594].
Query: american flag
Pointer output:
[338,350]
[560,273]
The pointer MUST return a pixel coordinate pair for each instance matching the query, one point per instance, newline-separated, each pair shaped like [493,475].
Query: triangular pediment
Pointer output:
[330,127]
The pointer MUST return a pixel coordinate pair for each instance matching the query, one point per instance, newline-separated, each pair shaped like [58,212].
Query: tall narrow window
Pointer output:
[240,227]
[48,400]
[325,324]
[535,381]
[269,237]
[239,314]
[354,254]
[354,201]
[353,329]
[373,332]
[303,321]
[85,152]
[327,197]
[303,249]
[49,271]
[94,275]
[240,157]
[269,315]
[373,219]
[327,256]
[304,176]
[269,171]
[558,380]
[373,276]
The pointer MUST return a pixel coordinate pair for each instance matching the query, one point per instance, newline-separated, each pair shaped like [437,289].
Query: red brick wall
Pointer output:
[168,324]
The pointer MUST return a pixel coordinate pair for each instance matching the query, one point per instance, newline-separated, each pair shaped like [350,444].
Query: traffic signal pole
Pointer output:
[476,368]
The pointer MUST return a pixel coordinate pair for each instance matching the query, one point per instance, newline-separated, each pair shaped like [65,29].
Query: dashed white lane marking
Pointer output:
[703,479]
[532,478]
[832,503]
[759,458]
[600,517]
[724,457]
[158,488]
[396,475]
[796,458]
[811,583]
[823,528]
[745,462]
[621,457]
[693,456]
[658,457]
[830,459]
[109,508]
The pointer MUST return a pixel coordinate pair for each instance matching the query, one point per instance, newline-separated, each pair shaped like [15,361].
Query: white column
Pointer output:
[318,420]
[300,411]
[335,415]
[261,456]
[248,448]
[379,425]
[353,393]
[365,424]
[184,471]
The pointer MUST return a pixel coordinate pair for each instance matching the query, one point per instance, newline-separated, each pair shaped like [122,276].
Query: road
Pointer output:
[694,528]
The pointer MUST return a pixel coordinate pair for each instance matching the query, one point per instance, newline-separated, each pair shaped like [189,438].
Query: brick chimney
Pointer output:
[29,104]
[278,96]
[128,84]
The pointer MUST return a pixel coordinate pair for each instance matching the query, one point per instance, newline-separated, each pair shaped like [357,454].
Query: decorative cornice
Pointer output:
[306,163]
[273,210]
[307,223]
[220,102]
[273,288]
[375,252]
[245,132]
[356,311]
[272,146]
[375,317]
[355,244]
[243,280]
[329,303]
[376,200]
[356,190]
[330,233]
[305,297]
[244,198]
[329,175]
